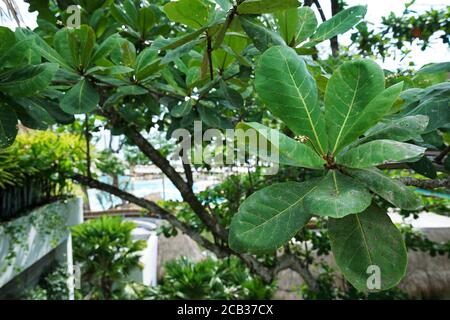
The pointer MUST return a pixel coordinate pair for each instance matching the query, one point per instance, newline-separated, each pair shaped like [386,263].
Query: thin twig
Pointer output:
[426,184]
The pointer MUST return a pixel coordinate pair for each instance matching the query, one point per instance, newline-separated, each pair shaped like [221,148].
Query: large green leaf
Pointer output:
[290,92]
[403,129]
[365,243]
[27,80]
[147,63]
[393,191]
[46,51]
[307,23]
[377,152]
[424,167]
[434,103]
[81,98]
[288,23]
[270,217]
[55,111]
[340,23]
[193,13]
[8,126]
[146,20]
[182,109]
[262,37]
[106,47]
[338,195]
[32,114]
[443,67]
[372,114]
[18,54]
[174,54]
[7,39]
[290,152]
[349,91]
[265,6]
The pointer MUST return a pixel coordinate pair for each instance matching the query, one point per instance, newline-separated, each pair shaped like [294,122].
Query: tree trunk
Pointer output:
[335,9]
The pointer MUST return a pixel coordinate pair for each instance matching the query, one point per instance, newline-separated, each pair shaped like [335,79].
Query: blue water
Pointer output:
[100,200]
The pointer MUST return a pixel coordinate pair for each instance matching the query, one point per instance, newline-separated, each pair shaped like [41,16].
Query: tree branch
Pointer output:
[161,162]
[290,261]
[400,166]
[442,155]
[220,251]
[319,8]
[427,184]
[153,211]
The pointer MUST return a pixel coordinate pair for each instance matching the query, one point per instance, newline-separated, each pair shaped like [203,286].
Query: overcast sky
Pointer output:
[437,53]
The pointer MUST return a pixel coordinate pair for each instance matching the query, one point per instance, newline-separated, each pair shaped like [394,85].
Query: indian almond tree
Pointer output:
[133,66]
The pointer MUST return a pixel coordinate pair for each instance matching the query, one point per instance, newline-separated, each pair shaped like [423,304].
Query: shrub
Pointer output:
[210,279]
[51,286]
[34,170]
[106,253]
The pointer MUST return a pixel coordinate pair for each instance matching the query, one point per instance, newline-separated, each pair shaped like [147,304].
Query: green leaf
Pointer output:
[82,98]
[147,63]
[49,53]
[340,23]
[403,129]
[270,217]
[284,84]
[182,109]
[290,152]
[424,167]
[393,191]
[27,80]
[122,16]
[7,39]
[32,114]
[18,54]
[434,104]
[131,91]
[146,20]
[307,23]
[288,23]
[262,37]
[75,45]
[193,13]
[8,126]
[338,195]
[265,6]
[212,119]
[168,44]
[55,111]
[174,54]
[366,240]
[435,68]
[372,114]
[232,96]
[106,47]
[349,91]
[375,153]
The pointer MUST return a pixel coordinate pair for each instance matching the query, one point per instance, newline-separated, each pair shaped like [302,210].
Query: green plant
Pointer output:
[406,28]
[210,279]
[35,170]
[141,69]
[51,286]
[355,101]
[106,253]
